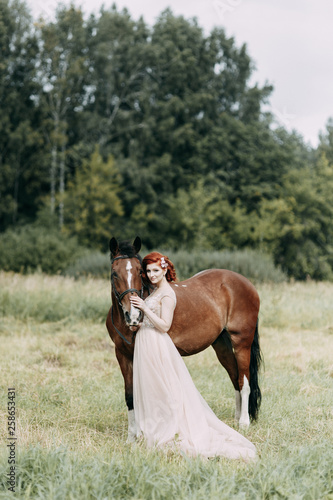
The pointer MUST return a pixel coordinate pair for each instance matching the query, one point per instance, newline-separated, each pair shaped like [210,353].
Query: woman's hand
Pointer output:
[137,302]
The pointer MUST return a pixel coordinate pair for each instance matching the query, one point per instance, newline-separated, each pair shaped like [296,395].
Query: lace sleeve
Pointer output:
[163,322]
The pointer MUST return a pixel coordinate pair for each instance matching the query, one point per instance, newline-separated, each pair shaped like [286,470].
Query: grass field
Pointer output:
[71,416]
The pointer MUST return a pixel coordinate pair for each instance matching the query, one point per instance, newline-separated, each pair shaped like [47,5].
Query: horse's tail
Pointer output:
[255,362]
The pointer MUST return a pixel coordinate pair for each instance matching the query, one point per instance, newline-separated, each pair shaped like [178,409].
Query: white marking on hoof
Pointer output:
[131,437]
[244,420]
[244,424]
[184,286]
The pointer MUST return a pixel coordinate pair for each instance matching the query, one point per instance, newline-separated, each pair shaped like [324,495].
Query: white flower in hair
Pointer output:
[163,263]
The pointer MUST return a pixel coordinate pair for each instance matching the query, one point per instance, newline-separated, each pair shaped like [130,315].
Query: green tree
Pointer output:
[22,174]
[63,71]
[298,228]
[117,52]
[92,204]
[199,119]
[200,217]
[326,142]
[197,161]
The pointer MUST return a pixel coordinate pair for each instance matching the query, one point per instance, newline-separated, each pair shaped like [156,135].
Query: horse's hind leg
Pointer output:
[243,356]
[226,357]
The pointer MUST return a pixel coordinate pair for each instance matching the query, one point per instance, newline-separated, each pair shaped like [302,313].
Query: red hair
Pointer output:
[155,258]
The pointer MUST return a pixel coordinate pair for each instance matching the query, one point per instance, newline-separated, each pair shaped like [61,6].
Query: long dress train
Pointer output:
[169,410]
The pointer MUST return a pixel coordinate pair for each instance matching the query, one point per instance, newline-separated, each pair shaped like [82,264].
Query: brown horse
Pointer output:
[215,307]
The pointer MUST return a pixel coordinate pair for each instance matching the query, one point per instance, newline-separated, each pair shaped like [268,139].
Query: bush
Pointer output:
[94,264]
[254,265]
[31,248]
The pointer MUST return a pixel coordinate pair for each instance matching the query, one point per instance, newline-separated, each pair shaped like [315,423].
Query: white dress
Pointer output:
[169,409]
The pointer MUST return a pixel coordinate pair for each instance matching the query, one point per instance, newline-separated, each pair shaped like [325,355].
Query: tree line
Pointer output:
[112,127]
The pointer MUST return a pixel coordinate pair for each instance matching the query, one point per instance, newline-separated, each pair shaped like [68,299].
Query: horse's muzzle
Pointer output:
[134,328]
[133,323]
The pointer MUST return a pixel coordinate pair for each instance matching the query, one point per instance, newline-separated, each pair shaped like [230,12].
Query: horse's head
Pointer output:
[126,278]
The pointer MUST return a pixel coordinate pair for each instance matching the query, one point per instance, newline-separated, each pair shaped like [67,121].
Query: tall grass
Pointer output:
[71,414]
[53,298]
[59,474]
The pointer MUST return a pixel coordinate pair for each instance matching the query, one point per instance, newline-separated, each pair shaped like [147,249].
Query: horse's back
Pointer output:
[242,297]
[212,281]
[208,303]
[222,275]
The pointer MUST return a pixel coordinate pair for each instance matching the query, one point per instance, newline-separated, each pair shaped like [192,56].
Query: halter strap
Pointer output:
[119,333]
[125,257]
[120,296]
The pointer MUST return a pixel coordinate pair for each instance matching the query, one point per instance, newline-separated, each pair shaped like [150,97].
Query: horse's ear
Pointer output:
[137,244]
[113,247]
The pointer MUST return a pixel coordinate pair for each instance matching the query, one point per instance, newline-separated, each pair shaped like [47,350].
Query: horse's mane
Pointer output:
[126,248]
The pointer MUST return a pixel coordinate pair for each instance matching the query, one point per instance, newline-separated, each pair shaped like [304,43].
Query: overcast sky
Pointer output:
[290,41]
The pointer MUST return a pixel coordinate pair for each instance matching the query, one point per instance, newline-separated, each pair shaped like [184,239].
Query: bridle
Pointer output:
[120,296]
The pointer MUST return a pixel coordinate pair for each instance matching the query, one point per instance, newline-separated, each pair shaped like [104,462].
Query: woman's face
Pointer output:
[155,273]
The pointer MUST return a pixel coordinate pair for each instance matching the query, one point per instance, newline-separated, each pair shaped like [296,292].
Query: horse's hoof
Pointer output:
[131,439]
[244,424]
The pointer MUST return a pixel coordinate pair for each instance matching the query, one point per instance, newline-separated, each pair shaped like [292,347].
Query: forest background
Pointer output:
[113,127]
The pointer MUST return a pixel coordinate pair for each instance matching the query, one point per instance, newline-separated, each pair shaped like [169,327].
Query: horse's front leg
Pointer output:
[126,366]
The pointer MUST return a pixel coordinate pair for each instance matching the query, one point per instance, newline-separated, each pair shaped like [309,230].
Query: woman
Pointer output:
[169,410]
